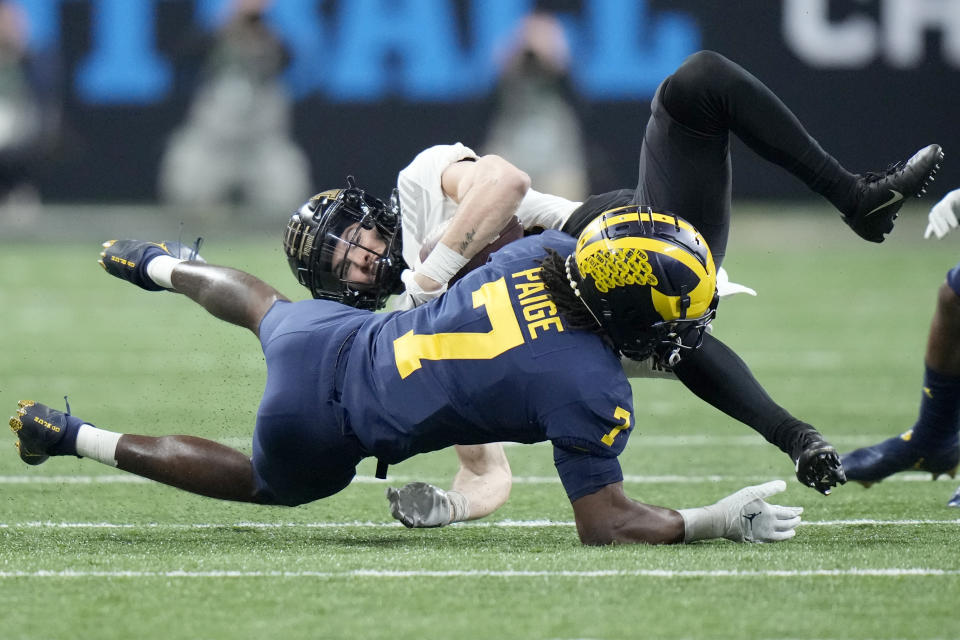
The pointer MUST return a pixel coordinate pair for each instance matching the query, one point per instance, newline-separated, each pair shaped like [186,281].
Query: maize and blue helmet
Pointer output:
[648,279]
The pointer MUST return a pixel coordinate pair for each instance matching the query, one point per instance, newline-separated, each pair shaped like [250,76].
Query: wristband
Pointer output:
[160,270]
[702,523]
[97,444]
[442,264]
[459,506]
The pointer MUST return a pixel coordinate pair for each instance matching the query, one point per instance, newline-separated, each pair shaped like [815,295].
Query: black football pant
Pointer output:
[685,156]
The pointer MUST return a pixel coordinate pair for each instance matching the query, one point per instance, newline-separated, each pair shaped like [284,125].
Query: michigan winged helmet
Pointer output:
[648,279]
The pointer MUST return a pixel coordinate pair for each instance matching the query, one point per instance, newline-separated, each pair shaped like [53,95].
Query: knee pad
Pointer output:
[695,93]
[705,66]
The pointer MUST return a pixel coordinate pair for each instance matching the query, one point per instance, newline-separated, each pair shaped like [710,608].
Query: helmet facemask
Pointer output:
[326,235]
[669,340]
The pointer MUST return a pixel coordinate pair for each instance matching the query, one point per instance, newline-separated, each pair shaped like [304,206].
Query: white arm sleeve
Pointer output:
[544,210]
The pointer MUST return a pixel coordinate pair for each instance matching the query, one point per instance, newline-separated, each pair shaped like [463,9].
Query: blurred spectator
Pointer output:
[236,144]
[29,113]
[535,124]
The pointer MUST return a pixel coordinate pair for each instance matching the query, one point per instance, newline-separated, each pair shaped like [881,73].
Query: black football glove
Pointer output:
[817,462]
[127,259]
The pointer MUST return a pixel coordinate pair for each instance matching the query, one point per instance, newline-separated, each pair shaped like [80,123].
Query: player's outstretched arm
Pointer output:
[481,486]
[609,516]
[229,294]
[484,478]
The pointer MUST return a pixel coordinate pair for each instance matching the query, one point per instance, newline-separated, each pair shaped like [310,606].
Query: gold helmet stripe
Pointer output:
[329,193]
[630,214]
[669,306]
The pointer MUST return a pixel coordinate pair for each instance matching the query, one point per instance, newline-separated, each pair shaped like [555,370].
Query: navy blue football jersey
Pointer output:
[491,360]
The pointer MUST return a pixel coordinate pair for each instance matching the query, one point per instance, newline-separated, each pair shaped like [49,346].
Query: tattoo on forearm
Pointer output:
[467,239]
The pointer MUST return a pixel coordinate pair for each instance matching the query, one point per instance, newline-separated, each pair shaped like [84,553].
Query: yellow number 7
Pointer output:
[505,334]
[619,414]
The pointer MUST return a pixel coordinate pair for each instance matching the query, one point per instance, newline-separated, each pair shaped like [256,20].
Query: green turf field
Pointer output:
[836,335]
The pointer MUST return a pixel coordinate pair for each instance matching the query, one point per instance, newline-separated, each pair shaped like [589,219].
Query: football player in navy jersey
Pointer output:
[526,348]
[458,203]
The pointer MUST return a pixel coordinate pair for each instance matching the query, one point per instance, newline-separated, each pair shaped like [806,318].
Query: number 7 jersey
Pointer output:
[491,360]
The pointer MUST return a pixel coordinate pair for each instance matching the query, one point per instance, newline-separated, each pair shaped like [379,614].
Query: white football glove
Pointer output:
[725,288]
[744,516]
[419,504]
[943,216]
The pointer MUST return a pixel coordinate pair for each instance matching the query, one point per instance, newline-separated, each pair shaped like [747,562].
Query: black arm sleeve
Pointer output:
[717,375]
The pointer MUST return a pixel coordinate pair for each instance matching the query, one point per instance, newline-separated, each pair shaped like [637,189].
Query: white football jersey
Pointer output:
[424,206]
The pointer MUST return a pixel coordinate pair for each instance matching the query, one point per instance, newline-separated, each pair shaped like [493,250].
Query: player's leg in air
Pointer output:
[193,464]
[932,443]
[685,160]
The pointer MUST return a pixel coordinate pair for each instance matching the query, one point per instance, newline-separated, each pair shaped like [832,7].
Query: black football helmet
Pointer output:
[648,279]
[334,218]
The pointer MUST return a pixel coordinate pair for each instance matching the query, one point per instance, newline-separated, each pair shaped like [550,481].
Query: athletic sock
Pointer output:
[939,419]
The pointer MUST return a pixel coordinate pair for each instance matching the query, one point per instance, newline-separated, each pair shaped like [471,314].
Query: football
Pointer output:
[513,230]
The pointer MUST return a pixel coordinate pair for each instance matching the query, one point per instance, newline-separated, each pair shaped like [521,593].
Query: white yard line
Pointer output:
[417,573]
[378,573]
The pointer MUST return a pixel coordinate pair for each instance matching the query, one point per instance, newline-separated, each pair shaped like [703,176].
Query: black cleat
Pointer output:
[868,465]
[880,195]
[819,467]
[127,259]
[39,428]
